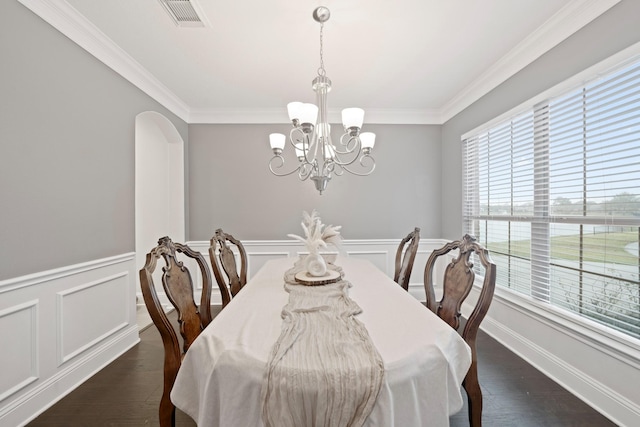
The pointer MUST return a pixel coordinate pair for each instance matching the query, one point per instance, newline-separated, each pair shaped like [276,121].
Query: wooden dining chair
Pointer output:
[178,286]
[223,261]
[456,285]
[405,258]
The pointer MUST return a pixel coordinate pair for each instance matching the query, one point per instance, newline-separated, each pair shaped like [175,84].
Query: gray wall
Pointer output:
[231,186]
[613,31]
[67,159]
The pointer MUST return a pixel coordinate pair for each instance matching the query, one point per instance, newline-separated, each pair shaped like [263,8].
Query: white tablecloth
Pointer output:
[425,360]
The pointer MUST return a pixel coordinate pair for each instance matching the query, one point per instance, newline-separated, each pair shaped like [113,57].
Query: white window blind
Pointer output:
[554,195]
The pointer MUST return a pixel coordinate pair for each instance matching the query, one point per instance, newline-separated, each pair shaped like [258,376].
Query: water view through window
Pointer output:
[554,195]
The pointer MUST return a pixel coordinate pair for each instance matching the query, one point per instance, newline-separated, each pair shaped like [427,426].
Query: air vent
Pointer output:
[185,13]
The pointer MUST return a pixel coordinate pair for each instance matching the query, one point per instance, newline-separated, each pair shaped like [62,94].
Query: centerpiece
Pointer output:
[317,236]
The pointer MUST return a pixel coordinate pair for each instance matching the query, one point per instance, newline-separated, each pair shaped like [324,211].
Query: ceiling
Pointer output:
[403,61]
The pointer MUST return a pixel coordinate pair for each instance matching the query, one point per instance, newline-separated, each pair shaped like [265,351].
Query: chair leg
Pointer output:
[167,413]
[474,395]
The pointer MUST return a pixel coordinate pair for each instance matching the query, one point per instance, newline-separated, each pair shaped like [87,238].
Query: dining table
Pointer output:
[221,381]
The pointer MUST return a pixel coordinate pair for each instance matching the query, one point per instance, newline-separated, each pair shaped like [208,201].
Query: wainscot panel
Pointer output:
[18,320]
[64,325]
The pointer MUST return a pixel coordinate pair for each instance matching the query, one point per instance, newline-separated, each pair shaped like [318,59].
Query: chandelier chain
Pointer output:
[321,70]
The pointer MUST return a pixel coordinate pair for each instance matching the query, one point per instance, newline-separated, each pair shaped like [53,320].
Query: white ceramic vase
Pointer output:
[315,265]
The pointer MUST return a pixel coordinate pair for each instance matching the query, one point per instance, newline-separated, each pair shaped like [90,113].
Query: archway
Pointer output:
[159,181]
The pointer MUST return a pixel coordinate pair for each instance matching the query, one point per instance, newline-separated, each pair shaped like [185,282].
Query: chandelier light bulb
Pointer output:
[277,141]
[309,113]
[352,117]
[295,110]
[368,140]
[329,151]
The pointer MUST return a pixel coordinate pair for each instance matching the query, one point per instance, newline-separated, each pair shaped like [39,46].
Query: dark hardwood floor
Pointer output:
[127,393]
[517,394]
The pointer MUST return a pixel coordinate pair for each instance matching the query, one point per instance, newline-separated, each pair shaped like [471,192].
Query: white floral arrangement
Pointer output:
[317,236]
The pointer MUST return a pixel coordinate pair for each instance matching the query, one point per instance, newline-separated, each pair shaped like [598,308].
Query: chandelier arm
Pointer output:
[295,140]
[351,145]
[328,167]
[366,158]
[305,170]
[304,139]
[340,162]
[338,158]
[271,163]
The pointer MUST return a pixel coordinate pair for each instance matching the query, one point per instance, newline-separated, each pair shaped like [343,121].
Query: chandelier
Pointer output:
[318,157]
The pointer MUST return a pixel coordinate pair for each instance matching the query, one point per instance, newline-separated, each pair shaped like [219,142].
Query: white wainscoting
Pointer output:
[60,327]
[381,252]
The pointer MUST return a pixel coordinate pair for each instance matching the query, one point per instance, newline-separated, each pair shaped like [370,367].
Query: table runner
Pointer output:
[323,370]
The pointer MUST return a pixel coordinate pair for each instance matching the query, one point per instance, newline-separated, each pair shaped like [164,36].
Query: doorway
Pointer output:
[159,192]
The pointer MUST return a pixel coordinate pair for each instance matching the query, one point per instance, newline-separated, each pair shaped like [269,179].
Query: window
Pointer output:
[553,192]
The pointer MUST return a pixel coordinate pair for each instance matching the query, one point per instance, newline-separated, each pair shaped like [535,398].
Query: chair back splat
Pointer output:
[405,258]
[192,319]
[457,283]
[223,261]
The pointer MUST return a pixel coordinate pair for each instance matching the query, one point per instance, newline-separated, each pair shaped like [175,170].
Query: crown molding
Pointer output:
[408,116]
[559,27]
[617,60]
[238,115]
[67,20]
[572,17]
[280,116]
